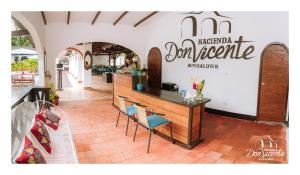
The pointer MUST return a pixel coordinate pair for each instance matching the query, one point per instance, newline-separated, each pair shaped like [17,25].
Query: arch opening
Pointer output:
[81,82]
[24,57]
[27,56]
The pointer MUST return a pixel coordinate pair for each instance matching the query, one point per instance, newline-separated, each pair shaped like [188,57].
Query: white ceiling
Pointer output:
[131,18]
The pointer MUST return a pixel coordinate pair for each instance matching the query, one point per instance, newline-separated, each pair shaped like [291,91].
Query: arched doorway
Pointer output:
[273,83]
[154,68]
[37,44]
[93,82]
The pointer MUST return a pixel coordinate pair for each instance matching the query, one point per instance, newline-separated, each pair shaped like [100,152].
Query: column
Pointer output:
[87,74]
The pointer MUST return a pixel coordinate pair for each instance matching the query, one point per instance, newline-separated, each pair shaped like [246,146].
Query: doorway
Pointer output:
[154,68]
[273,83]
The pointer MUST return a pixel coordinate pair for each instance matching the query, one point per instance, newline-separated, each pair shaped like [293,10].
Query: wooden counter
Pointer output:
[186,117]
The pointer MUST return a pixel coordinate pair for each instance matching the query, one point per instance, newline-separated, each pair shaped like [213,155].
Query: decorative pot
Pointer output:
[55,100]
[139,87]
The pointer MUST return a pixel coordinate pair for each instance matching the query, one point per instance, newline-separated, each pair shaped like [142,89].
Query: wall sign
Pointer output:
[221,46]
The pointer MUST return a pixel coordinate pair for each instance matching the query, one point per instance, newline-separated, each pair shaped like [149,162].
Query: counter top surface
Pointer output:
[172,97]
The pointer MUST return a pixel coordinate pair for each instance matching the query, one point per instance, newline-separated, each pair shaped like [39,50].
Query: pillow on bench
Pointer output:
[49,118]
[41,134]
[30,154]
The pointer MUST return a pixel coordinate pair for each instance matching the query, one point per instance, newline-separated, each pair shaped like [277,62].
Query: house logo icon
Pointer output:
[217,21]
[266,142]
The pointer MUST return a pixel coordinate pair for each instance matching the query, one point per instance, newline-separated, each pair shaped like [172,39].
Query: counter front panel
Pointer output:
[186,118]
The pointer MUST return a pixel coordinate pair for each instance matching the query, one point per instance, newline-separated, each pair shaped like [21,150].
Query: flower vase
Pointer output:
[199,95]
[139,87]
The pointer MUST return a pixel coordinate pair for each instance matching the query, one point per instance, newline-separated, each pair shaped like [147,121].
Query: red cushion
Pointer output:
[41,134]
[49,118]
[30,154]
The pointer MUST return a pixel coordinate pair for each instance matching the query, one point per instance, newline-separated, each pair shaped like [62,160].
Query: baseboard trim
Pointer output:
[230,114]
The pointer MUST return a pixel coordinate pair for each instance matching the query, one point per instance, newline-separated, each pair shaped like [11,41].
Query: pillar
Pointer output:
[80,68]
[87,74]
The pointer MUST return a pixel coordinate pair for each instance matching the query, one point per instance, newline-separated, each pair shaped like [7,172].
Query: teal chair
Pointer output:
[150,122]
[128,111]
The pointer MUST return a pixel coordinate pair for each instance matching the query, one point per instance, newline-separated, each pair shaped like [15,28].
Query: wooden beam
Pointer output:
[120,17]
[44,17]
[144,19]
[69,16]
[19,32]
[95,18]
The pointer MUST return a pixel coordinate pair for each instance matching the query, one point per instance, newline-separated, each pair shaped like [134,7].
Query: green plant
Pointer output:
[140,76]
[29,64]
[18,41]
[52,94]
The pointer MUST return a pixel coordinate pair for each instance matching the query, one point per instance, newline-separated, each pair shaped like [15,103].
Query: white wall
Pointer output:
[233,86]
[80,67]
[101,59]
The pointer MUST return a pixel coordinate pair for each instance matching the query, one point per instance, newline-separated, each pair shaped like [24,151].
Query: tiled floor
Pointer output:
[227,140]
[73,91]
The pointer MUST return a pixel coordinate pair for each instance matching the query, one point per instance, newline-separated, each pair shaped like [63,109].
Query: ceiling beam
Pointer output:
[69,16]
[19,32]
[95,18]
[44,17]
[120,17]
[144,19]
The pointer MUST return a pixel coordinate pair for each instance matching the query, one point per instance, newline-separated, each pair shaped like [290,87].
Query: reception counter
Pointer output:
[186,117]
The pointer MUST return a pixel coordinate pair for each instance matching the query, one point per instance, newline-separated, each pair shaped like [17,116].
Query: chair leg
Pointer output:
[149,140]
[137,124]
[127,125]
[118,118]
[173,141]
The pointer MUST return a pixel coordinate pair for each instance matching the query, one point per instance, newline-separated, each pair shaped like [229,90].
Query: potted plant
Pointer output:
[53,97]
[139,86]
[134,71]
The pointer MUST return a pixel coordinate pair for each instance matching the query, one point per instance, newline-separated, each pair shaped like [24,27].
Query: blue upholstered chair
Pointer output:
[128,111]
[150,122]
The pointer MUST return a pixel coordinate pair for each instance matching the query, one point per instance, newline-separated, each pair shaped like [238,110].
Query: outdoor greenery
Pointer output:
[20,41]
[30,65]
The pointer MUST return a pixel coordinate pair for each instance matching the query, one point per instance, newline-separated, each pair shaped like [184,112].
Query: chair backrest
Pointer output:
[142,115]
[122,103]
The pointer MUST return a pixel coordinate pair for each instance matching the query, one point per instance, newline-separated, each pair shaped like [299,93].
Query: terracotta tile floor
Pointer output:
[97,140]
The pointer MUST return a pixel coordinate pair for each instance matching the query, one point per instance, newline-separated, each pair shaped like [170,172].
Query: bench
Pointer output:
[22,78]
[63,149]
